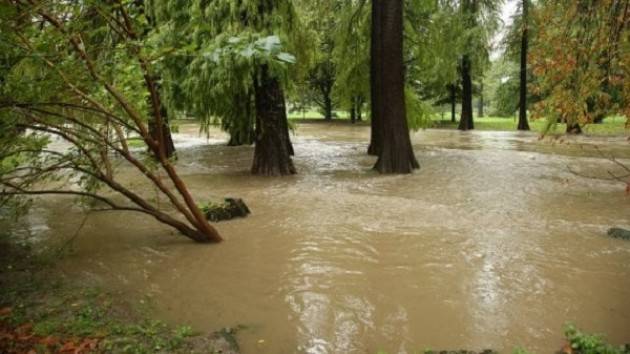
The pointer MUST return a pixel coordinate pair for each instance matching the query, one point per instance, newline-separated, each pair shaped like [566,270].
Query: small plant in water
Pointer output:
[583,343]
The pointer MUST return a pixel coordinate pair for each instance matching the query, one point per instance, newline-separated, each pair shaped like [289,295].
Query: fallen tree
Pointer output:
[80,73]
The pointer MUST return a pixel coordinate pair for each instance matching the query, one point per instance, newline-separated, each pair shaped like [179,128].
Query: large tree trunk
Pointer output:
[396,153]
[376,52]
[453,90]
[523,124]
[466,120]
[272,154]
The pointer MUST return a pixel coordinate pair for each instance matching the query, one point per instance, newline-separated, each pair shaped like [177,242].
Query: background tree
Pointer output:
[480,18]
[321,18]
[351,56]
[522,111]
[236,49]
[580,58]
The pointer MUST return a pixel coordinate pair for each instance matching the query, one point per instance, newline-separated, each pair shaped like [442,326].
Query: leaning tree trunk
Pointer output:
[466,120]
[523,124]
[453,91]
[272,154]
[396,153]
[376,52]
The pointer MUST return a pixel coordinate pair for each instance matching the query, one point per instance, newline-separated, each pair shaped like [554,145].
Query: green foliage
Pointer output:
[351,53]
[418,111]
[76,81]
[583,343]
[501,87]
[227,42]
[580,60]
[519,350]
[506,99]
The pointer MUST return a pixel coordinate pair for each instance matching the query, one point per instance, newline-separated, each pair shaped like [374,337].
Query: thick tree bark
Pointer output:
[396,153]
[453,91]
[376,52]
[523,124]
[272,154]
[466,120]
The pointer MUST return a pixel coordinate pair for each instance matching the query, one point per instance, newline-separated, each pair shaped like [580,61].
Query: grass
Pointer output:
[614,125]
[314,114]
[41,312]
[136,142]
[610,126]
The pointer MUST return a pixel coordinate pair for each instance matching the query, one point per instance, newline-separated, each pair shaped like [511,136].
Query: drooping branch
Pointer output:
[95,139]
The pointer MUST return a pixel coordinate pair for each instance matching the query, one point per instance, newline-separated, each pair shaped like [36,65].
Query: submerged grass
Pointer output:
[41,312]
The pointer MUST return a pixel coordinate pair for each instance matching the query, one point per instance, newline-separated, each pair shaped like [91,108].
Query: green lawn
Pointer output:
[614,125]
[314,114]
[136,142]
[610,126]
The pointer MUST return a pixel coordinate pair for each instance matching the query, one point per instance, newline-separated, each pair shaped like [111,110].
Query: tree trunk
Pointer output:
[360,102]
[453,90]
[272,154]
[328,107]
[396,153]
[480,103]
[523,124]
[574,128]
[466,120]
[376,138]
[353,111]
[167,138]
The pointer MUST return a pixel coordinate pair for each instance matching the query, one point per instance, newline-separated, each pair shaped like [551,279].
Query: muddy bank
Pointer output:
[43,311]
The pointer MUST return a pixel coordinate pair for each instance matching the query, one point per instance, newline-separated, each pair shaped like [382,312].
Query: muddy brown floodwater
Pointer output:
[492,244]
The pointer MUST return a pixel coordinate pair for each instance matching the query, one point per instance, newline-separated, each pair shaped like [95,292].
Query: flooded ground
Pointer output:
[494,243]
